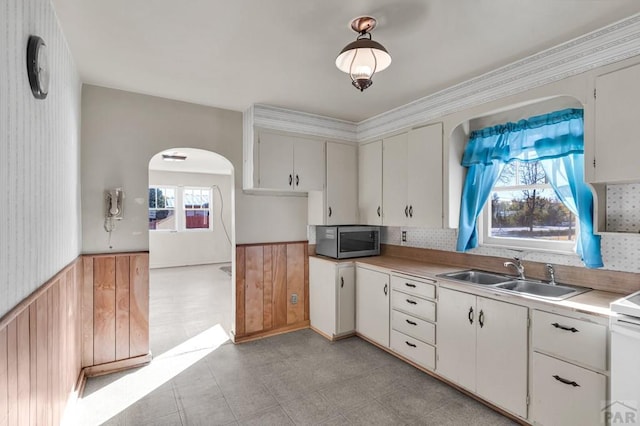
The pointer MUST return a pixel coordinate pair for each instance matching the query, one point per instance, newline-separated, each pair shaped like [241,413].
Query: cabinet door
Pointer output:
[342,184]
[424,178]
[370,183]
[276,161]
[308,165]
[456,334]
[394,181]
[564,394]
[501,354]
[346,299]
[372,305]
[616,116]
[322,295]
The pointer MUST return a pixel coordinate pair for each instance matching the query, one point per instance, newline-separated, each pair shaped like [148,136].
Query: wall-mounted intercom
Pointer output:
[114,203]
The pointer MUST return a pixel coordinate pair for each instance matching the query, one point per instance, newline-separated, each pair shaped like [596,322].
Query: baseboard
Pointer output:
[333,338]
[261,335]
[114,367]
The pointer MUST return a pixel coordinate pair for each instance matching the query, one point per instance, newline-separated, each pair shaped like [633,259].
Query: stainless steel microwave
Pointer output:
[343,242]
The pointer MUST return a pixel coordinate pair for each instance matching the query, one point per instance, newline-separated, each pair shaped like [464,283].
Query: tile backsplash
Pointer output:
[620,246]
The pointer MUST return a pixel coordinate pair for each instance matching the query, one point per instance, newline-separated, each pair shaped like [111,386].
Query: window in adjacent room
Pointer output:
[162,202]
[196,202]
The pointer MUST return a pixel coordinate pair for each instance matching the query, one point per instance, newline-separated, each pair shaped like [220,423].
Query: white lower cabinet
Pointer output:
[565,394]
[569,359]
[372,305]
[332,297]
[482,346]
[413,316]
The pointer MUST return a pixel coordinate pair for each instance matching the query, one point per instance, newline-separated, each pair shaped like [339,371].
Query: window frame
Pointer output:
[184,209]
[174,208]
[529,244]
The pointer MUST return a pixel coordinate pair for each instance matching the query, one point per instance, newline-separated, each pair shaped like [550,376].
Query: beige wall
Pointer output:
[121,131]
[39,155]
[168,249]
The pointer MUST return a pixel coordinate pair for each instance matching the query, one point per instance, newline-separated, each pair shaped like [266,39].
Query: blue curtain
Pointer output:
[549,138]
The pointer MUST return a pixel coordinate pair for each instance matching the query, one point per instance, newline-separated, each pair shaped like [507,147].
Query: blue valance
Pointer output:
[541,137]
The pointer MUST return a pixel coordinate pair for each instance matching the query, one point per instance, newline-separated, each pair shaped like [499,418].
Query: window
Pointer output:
[196,208]
[525,211]
[179,209]
[162,202]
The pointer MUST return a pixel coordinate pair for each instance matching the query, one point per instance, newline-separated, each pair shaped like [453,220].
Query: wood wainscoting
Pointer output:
[40,352]
[115,311]
[267,278]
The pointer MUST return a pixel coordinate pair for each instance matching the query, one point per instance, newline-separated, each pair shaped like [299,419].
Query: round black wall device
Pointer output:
[38,67]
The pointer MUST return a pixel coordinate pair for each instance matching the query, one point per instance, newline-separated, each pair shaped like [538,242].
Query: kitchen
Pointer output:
[121,130]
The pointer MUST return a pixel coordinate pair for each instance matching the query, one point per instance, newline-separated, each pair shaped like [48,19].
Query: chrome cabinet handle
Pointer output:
[410,344]
[290,179]
[470,316]
[378,211]
[481,318]
[385,289]
[565,381]
[341,282]
[406,211]
[297,180]
[563,327]
[410,211]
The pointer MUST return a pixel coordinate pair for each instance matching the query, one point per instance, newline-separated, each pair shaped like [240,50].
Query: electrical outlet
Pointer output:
[294,299]
[404,236]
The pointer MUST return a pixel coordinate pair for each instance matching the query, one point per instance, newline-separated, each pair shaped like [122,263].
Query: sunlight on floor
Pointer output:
[114,398]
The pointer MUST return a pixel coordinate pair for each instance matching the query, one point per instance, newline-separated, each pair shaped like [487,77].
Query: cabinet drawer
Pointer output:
[414,349]
[413,305]
[565,394]
[570,338]
[417,287]
[413,327]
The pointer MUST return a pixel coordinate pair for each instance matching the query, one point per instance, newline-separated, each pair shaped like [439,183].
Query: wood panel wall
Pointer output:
[267,275]
[115,308]
[40,352]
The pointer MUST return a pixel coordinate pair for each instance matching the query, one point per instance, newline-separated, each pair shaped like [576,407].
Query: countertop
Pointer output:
[594,302]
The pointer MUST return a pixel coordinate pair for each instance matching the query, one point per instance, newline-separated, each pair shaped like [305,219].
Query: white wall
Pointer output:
[39,155]
[168,249]
[121,131]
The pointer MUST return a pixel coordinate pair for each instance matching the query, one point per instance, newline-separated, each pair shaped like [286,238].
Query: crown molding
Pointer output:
[274,118]
[607,45]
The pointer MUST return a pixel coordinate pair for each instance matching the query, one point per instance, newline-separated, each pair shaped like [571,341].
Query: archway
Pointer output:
[191,245]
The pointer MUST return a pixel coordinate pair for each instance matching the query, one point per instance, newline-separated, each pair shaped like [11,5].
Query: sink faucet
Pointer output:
[518,265]
[552,276]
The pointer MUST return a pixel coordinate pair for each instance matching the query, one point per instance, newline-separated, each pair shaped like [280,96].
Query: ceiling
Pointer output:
[231,54]
[198,161]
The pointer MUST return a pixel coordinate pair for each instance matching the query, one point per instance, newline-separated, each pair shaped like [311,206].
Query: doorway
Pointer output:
[191,235]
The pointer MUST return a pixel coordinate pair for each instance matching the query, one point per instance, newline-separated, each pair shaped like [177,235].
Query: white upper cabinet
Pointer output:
[370,183]
[338,203]
[616,147]
[290,163]
[395,211]
[412,178]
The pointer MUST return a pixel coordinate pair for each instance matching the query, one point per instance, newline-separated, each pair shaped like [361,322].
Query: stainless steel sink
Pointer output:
[477,277]
[539,289]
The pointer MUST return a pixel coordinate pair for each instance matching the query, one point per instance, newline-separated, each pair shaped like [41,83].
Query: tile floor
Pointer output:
[296,378]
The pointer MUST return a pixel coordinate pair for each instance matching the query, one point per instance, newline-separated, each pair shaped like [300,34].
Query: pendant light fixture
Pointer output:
[363,57]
